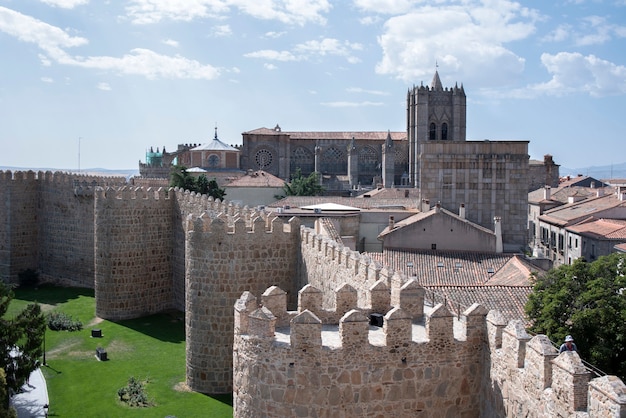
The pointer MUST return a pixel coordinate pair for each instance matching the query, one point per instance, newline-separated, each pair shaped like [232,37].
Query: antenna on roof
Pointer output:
[215,130]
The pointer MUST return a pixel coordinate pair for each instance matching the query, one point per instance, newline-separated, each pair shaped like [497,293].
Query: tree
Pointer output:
[210,187]
[21,340]
[587,301]
[179,177]
[303,186]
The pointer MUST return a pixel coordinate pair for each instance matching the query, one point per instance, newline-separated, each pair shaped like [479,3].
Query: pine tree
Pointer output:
[21,340]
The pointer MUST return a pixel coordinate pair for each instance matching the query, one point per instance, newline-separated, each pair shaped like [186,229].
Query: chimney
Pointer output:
[391,223]
[438,207]
[425,205]
[462,211]
[600,192]
[498,231]
[546,192]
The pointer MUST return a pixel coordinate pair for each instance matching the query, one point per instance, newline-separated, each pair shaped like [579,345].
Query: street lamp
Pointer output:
[44,345]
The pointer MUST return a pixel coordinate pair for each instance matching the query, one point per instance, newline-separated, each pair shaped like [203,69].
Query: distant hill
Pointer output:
[86,171]
[605,172]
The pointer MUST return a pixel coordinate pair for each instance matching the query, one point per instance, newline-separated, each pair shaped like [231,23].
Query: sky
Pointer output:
[96,83]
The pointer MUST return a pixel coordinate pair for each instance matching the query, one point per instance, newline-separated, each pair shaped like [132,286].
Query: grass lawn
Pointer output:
[152,349]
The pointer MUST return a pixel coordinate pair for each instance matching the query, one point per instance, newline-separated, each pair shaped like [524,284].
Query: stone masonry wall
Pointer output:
[327,265]
[133,235]
[66,227]
[18,223]
[410,367]
[47,224]
[223,259]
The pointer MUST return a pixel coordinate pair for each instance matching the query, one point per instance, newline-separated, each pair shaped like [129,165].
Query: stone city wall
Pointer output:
[529,378]
[47,224]
[412,366]
[293,363]
[327,265]
[223,259]
[133,252]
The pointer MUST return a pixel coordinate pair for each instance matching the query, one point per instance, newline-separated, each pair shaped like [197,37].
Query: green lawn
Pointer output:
[152,349]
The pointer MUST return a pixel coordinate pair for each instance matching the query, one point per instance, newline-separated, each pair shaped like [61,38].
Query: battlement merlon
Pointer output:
[397,322]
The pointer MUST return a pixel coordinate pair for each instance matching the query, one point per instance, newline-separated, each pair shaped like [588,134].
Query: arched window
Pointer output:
[303,159]
[433,132]
[444,131]
[334,161]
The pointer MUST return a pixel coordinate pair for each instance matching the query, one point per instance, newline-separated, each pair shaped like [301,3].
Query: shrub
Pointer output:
[28,278]
[60,321]
[134,394]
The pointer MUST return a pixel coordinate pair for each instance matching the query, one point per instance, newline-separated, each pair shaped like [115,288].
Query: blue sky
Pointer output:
[113,78]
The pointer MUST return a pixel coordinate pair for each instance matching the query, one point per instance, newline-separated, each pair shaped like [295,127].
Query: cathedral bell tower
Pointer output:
[433,114]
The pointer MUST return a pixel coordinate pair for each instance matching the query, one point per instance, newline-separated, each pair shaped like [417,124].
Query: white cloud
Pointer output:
[385,6]
[270,54]
[559,34]
[575,73]
[50,39]
[274,35]
[269,66]
[151,65]
[222,31]
[361,90]
[308,50]
[154,11]
[103,86]
[170,42]
[351,104]
[468,40]
[47,80]
[53,41]
[297,12]
[65,4]
[600,31]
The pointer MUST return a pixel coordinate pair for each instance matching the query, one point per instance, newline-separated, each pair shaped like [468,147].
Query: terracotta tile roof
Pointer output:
[509,301]
[621,247]
[573,212]
[562,194]
[342,135]
[601,228]
[258,178]
[497,281]
[457,268]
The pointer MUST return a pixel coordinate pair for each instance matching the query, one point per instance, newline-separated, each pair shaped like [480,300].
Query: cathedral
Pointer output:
[487,178]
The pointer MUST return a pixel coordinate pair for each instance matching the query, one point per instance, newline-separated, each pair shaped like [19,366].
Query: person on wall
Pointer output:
[568,345]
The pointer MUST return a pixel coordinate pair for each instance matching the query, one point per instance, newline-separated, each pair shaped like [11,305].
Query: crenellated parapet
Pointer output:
[328,359]
[530,378]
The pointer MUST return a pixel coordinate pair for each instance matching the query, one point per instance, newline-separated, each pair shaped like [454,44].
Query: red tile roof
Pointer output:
[601,228]
[497,281]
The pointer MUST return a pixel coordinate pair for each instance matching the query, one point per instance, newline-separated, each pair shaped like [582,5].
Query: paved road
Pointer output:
[30,402]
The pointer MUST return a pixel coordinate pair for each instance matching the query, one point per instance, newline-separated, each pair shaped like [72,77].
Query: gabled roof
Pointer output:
[573,212]
[497,281]
[560,195]
[435,211]
[610,229]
